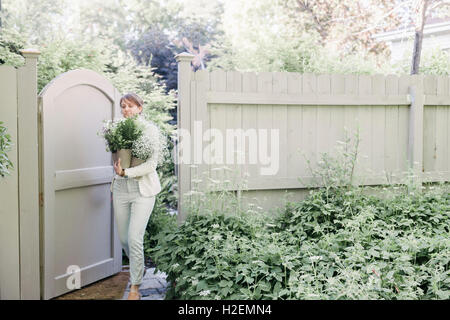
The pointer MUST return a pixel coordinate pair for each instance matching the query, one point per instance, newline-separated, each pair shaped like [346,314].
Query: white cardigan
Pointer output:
[145,173]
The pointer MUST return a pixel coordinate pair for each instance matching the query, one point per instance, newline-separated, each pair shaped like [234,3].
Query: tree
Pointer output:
[345,25]
[421,7]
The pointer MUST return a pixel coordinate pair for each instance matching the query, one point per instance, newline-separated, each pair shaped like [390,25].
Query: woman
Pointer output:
[134,190]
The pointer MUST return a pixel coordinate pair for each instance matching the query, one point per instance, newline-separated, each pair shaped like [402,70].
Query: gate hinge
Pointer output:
[41,199]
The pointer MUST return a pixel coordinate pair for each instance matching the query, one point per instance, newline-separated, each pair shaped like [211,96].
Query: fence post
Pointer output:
[415,137]
[28,168]
[183,122]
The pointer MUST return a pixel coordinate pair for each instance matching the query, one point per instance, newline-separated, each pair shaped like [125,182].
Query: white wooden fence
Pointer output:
[403,123]
[56,215]
[19,203]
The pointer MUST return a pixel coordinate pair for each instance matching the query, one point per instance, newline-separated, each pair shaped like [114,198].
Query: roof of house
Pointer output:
[433,25]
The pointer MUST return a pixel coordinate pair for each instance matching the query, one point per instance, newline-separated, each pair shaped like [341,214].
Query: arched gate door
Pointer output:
[76,214]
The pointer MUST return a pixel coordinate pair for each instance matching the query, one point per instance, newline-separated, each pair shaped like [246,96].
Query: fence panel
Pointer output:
[19,191]
[402,120]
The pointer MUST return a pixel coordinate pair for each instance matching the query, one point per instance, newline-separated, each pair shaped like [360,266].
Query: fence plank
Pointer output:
[233,120]
[249,125]
[430,129]
[309,123]
[365,125]
[415,141]
[280,122]
[264,120]
[323,116]
[294,128]
[391,136]
[202,114]
[441,126]
[378,125]
[218,83]
[184,112]
[28,177]
[9,208]
[337,114]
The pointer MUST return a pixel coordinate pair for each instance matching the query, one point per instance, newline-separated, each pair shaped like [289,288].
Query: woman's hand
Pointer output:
[118,167]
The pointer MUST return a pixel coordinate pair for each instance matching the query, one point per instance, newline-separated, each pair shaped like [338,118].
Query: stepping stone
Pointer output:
[150,283]
[148,292]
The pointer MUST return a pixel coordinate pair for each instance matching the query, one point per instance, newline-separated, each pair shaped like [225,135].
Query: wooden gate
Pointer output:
[77,221]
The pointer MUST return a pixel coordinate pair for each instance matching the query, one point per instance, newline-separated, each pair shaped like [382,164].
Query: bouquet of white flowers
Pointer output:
[139,138]
[121,133]
[151,143]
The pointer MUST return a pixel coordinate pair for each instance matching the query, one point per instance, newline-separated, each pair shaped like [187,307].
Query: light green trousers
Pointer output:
[132,212]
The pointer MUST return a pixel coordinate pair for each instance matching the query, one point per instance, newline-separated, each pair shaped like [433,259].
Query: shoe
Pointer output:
[134,295]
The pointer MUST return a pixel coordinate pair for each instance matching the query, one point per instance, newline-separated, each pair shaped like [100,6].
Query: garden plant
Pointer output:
[340,242]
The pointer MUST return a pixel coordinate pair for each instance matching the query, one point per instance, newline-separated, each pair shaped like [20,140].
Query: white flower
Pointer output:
[315,258]
[151,144]
[194,282]
[217,237]
[204,292]
[215,226]
[175,265]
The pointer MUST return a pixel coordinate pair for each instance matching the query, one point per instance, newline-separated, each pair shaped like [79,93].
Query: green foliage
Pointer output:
[289,53]
[338,243]
[5,146]
[11,42]
[336,170]
[433,61]
[62,55]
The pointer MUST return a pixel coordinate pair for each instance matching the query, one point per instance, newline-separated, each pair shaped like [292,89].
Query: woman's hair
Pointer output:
[133,97]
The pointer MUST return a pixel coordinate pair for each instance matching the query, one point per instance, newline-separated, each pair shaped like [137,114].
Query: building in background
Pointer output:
[436,35]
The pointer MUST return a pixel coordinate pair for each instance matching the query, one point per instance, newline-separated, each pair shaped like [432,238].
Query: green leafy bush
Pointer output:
[11,42]
[5,146]
[341,242]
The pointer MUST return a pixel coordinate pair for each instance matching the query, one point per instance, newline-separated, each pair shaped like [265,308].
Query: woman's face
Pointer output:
[129,108]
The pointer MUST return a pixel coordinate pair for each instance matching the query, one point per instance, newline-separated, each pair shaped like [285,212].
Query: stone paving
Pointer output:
[153,287]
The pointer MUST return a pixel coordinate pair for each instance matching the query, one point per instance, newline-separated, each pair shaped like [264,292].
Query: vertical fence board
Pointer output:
[184,113]
[430,128]
[337,113]
[294,128]
[441,126]
[265,122]
[378,125]
[28,177]
[309,123]
[9,185]
[250,125]
[365,125]
[233,120]
[323,116]
[391,136]
[218,83]
[202,85]
[280,122]
[351,112]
